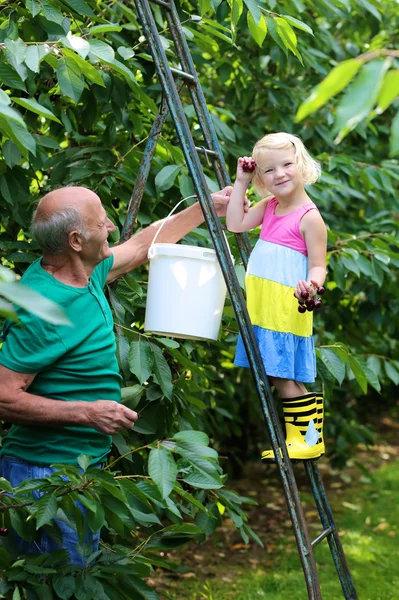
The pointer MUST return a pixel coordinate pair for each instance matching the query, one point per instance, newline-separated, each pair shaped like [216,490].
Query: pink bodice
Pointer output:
[284,229]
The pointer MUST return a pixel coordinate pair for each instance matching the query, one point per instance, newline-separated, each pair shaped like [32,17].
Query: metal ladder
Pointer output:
[171,103]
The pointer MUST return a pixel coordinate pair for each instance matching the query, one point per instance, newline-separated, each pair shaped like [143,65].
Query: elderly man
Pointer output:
[60,385]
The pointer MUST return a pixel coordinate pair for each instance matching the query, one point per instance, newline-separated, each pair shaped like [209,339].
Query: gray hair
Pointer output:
[51,231]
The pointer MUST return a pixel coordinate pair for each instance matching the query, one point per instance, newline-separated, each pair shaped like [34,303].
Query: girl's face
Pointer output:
[279,172]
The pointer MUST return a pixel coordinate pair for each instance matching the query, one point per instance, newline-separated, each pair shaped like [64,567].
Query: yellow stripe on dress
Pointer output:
[272,306]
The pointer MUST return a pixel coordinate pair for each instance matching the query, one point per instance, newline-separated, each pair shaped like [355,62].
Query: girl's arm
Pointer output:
[237,220]
[314,231]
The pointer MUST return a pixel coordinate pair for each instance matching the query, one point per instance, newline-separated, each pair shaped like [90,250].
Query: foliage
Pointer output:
[79,96]
[12,292]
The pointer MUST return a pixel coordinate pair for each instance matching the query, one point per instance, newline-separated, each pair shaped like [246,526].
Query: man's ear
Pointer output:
[75,241]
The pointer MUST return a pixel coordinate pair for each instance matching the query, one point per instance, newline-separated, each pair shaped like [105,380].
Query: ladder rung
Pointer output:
[183,75]
[206,151]
[162,3]
[322,536]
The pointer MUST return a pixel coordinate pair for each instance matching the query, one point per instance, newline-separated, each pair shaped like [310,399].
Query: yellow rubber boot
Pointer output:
[303,416]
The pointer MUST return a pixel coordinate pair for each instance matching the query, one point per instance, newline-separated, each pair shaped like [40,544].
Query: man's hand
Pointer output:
[222,198]
[109,417]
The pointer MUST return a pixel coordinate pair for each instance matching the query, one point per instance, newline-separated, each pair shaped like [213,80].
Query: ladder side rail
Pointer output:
[262,385]
[328,523]
[144,170]
[204,117]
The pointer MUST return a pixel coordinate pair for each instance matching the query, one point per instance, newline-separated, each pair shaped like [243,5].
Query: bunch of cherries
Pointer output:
[307,303]
[248,165]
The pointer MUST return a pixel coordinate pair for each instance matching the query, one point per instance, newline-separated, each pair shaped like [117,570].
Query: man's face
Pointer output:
[98,226]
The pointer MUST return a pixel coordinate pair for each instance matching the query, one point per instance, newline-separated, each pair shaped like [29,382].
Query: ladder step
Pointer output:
[183,75]
[206,151]
[162,3]
[322,536]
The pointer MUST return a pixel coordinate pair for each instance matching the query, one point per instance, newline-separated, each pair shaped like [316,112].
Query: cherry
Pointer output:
[305,294]
[248,165]
[3,531]
[318,302]
[321,290]
[301,308]
[310,304]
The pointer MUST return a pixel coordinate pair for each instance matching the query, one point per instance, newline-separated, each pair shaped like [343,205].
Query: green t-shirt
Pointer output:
[72,364]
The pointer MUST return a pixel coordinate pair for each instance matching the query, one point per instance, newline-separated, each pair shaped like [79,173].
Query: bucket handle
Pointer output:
[150,254]
[164,221]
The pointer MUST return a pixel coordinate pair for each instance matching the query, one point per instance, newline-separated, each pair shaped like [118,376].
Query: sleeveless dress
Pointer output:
[277,262]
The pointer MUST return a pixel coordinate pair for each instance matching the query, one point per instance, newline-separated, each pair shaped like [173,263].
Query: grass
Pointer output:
[368,523]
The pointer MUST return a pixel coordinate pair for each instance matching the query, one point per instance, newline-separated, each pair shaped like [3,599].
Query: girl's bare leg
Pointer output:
[287,388]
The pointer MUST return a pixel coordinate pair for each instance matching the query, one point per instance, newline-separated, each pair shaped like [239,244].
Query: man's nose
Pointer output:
[110,225]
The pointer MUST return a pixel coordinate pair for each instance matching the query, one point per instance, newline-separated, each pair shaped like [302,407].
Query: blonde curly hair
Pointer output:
[308,168]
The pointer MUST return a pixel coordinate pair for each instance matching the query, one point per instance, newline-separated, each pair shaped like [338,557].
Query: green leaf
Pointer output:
[34,55]
[51,13]
[162,372]
[102,50]
[122,70]
[87,69]
[166,177]
[64,585]
[12,125]
[46,509]
[76,43]
[70,78]
[272,29]
[391,372]
[203,481]
[333,363]
[141,359]
[105,28]
[288,36]
[258,31]
[169,343]
[131,395]
[10,77]
[372,9]
[85,587]
[389,91]
[394,139]
[162,469]
[236,12]
[125,53]
[15,51]
[11,154]
[358,372]
[33,302]
[84,461]
[360,97]
[140,586]
[5,485]
[298,24]
[81,7]
[334,83]
[4,98]
[34,7]
[96,519]
[192,437]
[32,105]
[253,8]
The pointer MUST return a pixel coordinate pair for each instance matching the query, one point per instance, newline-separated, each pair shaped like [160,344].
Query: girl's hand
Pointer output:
[241,175]
[306,286]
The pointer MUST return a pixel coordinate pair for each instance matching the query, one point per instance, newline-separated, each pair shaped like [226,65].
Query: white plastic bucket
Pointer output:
[186,292]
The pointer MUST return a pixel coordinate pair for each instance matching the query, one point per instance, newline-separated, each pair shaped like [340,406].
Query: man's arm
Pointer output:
[133,253]
[19,407]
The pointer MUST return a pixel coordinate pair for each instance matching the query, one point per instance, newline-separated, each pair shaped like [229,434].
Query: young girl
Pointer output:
[287,263]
